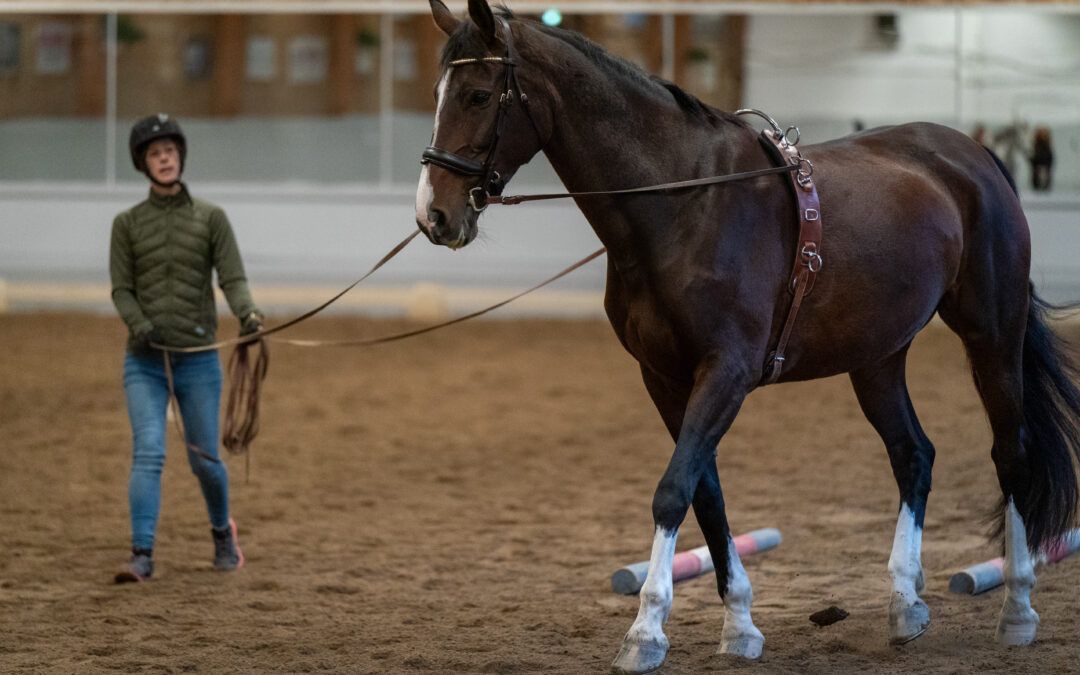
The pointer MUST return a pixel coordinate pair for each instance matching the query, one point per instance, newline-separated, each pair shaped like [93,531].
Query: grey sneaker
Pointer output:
[139,568]
[227,553]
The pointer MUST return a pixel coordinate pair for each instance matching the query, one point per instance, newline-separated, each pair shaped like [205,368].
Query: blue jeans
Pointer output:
[197,384]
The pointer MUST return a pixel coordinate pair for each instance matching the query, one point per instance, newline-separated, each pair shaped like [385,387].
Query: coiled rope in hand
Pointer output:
[241,423]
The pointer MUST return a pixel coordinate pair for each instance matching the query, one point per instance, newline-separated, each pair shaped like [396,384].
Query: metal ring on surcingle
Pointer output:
[754,111]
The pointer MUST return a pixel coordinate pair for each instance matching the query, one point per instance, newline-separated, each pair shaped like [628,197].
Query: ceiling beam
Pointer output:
[521,6]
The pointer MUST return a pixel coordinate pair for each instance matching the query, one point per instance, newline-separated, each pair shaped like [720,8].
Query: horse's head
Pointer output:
[485,126]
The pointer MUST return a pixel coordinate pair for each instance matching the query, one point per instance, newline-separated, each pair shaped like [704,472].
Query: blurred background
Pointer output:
[307,126]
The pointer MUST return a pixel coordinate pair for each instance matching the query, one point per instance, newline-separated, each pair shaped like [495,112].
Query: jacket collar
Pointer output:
[179,199]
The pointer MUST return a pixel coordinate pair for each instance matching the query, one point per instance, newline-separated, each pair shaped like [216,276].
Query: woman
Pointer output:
[162,256]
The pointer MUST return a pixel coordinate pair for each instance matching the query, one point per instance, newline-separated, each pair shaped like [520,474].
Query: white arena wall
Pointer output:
[302,245]
[338,209]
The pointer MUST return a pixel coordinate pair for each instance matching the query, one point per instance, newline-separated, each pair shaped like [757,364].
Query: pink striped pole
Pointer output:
[695,562]
[991,574]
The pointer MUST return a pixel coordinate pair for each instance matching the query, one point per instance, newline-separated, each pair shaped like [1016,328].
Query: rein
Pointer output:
[241,420]
[253,337]
[427,329]
[695,182]
[489,190]
[242,406]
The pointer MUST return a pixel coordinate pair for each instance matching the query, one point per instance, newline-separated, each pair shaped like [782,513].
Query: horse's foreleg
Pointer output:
[740,636]
[883,396]
[645,646]
[713,403]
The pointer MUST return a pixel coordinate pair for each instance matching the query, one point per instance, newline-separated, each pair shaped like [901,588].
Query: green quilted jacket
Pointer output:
[161,260]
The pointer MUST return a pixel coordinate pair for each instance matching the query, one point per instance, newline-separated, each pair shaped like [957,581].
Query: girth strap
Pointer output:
[808,260]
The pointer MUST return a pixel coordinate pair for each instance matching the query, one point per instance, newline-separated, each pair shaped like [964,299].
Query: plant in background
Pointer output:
[365,37]
[701,69]
[697,55]
[127,31]
[367,44]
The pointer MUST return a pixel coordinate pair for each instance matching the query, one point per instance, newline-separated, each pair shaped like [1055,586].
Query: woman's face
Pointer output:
[163,161]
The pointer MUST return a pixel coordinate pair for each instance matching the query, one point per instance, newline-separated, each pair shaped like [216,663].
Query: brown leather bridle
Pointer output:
[808,260]
[491,183]
[489,188]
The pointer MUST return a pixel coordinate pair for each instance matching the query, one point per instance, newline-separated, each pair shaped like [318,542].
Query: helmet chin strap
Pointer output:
[164,185]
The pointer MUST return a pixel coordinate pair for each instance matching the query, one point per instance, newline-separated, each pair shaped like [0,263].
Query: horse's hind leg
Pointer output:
[883,396]
[994,347]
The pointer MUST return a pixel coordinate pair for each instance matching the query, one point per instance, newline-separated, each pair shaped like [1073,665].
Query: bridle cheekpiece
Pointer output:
[491,182]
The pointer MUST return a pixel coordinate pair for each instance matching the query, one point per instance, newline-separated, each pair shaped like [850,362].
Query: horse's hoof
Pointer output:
[908,623]
[747,646]
[1017,631]
[636,659]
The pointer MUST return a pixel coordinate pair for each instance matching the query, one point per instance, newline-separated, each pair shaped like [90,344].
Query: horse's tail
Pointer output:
[1051,430]
[1004,170]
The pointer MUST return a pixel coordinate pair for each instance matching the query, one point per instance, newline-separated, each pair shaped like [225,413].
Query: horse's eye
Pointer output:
[479,97]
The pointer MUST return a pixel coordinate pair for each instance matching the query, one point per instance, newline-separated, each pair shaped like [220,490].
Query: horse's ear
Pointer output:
[480,13]
[444,18]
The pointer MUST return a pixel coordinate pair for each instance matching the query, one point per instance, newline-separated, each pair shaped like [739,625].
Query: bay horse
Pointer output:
[918,219]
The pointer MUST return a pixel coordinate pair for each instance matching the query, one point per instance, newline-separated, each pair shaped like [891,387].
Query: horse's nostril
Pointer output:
[433,225]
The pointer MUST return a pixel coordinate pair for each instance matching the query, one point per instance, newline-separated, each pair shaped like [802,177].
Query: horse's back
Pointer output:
[906,210]
[947,181]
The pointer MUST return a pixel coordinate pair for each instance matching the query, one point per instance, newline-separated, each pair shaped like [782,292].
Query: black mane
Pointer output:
[466,42]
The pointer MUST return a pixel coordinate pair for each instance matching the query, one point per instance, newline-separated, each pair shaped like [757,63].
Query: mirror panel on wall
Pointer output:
[345,100]
[52,97]
[263,98]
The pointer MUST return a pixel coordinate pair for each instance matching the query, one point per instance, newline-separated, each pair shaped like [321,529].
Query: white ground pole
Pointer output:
[1018,622]
[908,614]
[984,576]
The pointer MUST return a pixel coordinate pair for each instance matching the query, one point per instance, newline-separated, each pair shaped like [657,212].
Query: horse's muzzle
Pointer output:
[440,231]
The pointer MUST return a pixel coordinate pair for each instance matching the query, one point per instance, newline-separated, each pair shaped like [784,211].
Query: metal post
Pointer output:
[667,54]
[958,98]
[386,101]
[111,55]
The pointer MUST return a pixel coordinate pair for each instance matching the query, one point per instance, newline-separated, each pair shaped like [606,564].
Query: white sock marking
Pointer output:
[905,564]
[1019,563]
[737,600]
[656,594]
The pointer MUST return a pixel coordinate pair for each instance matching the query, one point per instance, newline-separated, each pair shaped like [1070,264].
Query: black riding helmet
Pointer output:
[150,129]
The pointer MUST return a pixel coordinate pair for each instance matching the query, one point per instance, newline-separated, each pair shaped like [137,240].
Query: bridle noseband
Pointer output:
[491,183]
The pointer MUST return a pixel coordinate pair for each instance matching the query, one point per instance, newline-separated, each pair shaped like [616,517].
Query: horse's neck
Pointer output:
[607,138]
[610,135]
